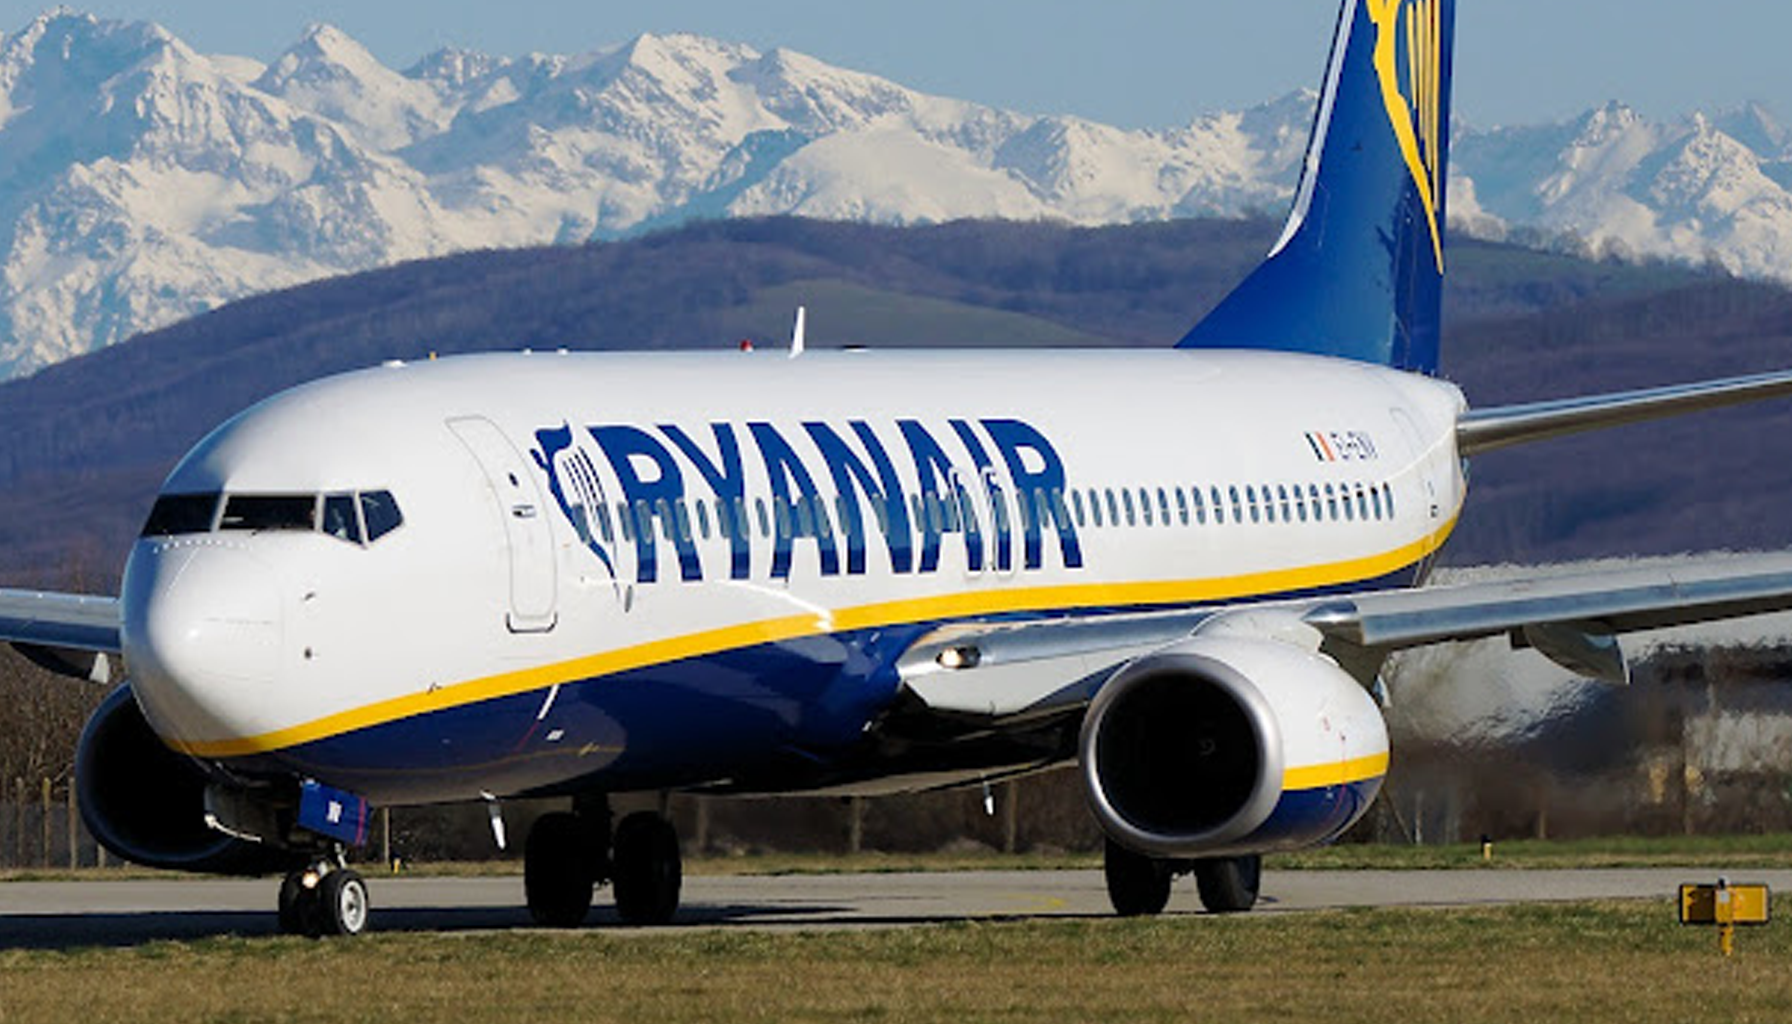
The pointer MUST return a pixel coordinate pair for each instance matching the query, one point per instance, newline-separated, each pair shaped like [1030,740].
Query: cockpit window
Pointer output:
[358,518]
[269,512]
[181,513]
[339,519]
[380,510]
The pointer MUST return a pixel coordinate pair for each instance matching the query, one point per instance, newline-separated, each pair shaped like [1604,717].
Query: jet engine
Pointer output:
[147,803]
[1242,739]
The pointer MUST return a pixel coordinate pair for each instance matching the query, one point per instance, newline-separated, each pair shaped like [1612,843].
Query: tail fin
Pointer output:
[1358,272]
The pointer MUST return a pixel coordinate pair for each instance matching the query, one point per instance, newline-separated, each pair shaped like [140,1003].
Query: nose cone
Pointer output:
[202,636]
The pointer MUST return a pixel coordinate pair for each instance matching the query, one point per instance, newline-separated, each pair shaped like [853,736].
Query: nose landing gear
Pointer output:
[324,898]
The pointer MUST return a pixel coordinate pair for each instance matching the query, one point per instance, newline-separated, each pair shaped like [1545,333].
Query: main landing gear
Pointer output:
[1139,885]
[325,897]
[569,853]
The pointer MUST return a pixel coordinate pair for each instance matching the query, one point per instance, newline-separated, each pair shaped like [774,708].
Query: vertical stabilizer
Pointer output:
[1358,272]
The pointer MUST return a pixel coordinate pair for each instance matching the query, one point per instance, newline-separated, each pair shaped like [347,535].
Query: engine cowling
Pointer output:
[1241,739]
[146,803]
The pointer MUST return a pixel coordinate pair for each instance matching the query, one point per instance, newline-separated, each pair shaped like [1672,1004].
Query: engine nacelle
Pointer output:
[1230,743]
[146,803]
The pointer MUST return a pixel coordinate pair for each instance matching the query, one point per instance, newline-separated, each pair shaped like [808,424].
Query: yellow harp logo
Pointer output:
[1414,93]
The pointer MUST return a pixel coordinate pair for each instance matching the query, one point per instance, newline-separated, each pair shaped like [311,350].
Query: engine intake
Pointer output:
[146,803]
[1230,744]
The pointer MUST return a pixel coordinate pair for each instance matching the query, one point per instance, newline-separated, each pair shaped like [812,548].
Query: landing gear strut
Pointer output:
[324,898]
[569,853]
[1139,885]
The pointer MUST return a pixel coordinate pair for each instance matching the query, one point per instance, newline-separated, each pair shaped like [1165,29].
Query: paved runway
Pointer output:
[65,914]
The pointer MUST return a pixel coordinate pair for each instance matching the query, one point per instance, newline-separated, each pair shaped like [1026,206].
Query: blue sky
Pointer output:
[1137,63]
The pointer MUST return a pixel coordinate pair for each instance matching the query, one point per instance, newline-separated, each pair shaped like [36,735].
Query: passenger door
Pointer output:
[526,530]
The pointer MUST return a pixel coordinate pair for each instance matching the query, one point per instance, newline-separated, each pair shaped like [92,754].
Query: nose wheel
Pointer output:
[324,898]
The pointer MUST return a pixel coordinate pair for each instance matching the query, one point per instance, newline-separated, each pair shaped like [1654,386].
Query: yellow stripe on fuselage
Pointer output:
[967,604]
[1335,773]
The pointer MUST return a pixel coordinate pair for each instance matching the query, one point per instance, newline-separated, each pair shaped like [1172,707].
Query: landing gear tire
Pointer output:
[342,903]
[296,906]
[560,868]
[324,900]
[1229,885]
[1138,886]
[645,869]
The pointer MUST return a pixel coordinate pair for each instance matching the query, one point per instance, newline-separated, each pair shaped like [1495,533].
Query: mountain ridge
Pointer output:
[147,182]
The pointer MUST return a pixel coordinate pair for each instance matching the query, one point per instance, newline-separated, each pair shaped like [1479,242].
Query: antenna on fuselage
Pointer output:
[796,336]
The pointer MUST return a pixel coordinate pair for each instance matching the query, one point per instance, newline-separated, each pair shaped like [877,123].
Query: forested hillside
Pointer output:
[88,441]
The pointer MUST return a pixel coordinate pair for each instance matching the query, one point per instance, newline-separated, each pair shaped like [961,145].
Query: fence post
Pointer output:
[18,822]
[74,829]
[43,855]
[855,830]
[1010,815]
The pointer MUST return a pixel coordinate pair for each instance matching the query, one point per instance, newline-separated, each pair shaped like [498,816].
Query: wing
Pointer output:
[70,634]
[1017,673]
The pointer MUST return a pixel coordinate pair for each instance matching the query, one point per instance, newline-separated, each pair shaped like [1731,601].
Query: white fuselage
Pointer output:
[983,485]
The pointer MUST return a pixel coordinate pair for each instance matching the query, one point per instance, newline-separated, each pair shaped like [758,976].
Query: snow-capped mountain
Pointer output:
[145,182]
[1706,189]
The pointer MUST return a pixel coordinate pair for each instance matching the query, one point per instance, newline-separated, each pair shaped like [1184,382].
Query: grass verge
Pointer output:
[1589,962]
[1717,852]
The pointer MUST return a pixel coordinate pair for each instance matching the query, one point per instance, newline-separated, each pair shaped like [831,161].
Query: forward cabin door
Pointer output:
[518,503]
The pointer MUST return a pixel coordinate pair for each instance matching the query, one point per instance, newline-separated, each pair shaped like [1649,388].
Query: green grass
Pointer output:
[1589,962]
[1763,851]
[1737,852]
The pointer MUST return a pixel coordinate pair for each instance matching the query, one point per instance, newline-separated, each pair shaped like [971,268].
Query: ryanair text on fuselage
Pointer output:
[958,489]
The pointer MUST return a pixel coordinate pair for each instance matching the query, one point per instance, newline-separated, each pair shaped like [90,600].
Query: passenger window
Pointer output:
[1362,504]
[1219,506]
[340,520]
[1388,494]
[805,517]
[1200,508]
[1375,502]
[1282,497]
[765,526]
[1331,503]
[181,513]
[1144,505]
[1131,512]
[1076,499]
[1113,508]
[1060,512]
[1182,506]
[269,512]
[628,524]
[1095,507]
[682,511]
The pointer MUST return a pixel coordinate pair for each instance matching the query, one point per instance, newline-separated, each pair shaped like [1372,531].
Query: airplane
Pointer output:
[572,576]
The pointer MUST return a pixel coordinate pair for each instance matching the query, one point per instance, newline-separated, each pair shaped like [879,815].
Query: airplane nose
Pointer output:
[202,635]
